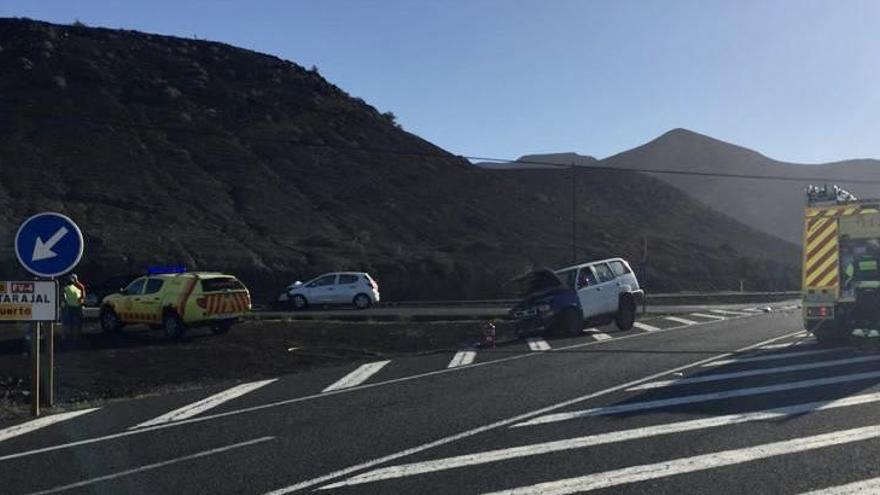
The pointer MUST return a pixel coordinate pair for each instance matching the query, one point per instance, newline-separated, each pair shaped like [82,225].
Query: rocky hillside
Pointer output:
[175,150]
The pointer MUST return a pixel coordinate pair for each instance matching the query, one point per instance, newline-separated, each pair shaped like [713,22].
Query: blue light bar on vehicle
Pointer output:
[163,270]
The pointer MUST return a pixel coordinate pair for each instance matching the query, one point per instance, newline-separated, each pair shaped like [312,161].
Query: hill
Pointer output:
[176,150]
[772,206]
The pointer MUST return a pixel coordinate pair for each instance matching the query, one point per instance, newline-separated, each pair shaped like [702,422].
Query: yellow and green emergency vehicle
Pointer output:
[841,281]
[177,302]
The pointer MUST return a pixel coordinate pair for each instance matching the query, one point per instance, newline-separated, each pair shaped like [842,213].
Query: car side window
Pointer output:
[154,285]
[136,287]
[586,278]
[568,277]
[347,279]
[603,272]
[324,281]
[619,268]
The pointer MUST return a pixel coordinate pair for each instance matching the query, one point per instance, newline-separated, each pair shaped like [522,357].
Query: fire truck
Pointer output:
[841,282]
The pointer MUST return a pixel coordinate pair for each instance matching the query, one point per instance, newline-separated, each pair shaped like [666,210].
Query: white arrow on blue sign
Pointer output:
[48,244]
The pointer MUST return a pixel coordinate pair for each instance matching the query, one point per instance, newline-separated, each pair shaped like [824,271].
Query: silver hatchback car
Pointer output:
[356,288]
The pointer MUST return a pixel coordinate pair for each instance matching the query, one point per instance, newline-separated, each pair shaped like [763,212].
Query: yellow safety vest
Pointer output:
[72,295]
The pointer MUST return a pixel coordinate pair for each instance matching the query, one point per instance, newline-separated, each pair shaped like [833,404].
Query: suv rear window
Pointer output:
[218,284]
[618,268]
[347,279]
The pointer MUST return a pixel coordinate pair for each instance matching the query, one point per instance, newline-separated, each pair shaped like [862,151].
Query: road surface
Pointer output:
[718,403]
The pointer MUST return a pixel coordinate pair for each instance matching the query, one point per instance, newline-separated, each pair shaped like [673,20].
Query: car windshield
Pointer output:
[439,246]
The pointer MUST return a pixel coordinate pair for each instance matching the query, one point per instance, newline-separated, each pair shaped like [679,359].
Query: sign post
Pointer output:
[47,245]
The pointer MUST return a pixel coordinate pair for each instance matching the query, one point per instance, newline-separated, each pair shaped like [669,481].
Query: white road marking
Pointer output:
[681,320]
[690,399]
[538,345]
[752,310]
[728,312]
[504,422]
[703,462]
[601,336]
[155,465]
[358,376]
[205,404]
[462,358]
[871,485]
[768,357]
[645,327]
[590,330]
[36,424]
[714,377]
[486,457]
[711,317]
[777,346]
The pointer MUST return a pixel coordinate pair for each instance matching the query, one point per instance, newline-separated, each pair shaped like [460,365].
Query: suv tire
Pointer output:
[626,314]
[109,320]
[173,325]
[221,327]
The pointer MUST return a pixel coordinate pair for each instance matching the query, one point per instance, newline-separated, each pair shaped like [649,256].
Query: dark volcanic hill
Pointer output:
[773,206]
[176,150]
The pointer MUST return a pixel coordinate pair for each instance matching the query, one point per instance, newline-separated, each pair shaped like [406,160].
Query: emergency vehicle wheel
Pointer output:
[362,301]
[626,315]
[109,320]
[173,325]
[299,302]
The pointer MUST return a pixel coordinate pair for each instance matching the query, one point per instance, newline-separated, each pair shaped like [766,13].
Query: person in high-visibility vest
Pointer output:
[71,310]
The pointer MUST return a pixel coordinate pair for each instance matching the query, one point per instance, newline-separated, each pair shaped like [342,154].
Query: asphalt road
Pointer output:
[744,404]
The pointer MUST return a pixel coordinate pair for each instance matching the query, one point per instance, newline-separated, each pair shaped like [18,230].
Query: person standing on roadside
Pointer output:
[73,297]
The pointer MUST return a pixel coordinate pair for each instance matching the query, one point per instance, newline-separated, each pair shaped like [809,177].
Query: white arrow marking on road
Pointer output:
[462,358]
[865,486]
[43,250]
[645,327]
[417,468]
[203,405]
[703,462]
[690,399]
[757,372]
[357,376]
[538,345]
[36,424]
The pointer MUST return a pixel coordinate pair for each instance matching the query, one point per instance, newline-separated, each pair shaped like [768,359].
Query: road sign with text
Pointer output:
[22,300]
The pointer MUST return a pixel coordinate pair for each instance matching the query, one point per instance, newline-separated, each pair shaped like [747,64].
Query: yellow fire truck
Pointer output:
[841,281]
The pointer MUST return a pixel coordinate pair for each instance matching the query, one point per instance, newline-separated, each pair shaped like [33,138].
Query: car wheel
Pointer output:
[626,314]
[569,322]
[362,301]
[109,320]
[221,327]
[299,302]
[173,325]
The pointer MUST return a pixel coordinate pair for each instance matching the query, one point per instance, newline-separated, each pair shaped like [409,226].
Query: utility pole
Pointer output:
[574,257]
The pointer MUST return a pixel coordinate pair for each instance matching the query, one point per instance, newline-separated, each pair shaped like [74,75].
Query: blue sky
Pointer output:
[798,80]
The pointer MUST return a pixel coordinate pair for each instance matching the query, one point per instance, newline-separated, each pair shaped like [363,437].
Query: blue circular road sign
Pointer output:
[48,244]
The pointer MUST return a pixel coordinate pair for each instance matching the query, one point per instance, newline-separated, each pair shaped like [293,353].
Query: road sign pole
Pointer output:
[49,390]
[35,369]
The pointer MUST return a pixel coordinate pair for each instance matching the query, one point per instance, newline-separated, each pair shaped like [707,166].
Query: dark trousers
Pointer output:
[71,319]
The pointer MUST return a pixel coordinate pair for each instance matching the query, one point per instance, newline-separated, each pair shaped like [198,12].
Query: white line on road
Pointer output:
[756,372]
[205,404]
[645,327]
[728,312]
[358,376]
[683,321]
[871,485]
[404,379]
[36,424]
[505,422]
[538,345]
[703,462]
[711,317]
[435,465]
[768,357]
[753,310]
[601,336]
[590,330]
[154,465]
[777,346]
[690,399]
[462,358]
